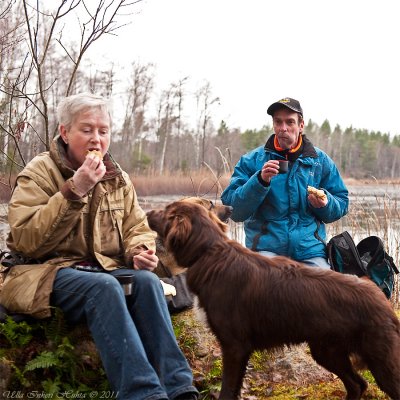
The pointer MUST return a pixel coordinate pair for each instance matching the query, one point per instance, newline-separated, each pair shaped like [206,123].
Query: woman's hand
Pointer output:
[88,174]
[145,260]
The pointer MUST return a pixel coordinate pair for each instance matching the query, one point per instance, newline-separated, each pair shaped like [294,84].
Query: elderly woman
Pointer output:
[76,211]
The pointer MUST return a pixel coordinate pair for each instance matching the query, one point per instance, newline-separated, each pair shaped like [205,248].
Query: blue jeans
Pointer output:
[312,262]
[133,334]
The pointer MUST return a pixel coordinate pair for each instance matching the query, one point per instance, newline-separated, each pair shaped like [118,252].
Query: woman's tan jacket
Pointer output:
[49,222]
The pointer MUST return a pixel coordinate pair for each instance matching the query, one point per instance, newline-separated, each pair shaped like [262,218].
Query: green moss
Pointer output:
[259,360]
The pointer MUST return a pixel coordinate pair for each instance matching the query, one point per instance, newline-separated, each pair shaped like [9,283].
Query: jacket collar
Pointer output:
[306,150]
[58,153]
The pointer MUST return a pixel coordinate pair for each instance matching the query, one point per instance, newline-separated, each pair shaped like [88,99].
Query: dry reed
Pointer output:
[198,183]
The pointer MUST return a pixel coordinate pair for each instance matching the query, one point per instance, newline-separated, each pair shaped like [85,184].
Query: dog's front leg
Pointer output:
[234,362]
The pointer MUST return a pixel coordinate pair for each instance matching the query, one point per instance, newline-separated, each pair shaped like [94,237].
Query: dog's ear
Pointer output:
[178,231]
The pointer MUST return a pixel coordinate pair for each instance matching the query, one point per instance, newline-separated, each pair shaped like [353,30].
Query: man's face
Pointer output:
[90,130]
[287,127]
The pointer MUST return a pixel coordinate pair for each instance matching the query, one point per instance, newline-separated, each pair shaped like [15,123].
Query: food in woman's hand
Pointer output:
[316,192]
[96,153]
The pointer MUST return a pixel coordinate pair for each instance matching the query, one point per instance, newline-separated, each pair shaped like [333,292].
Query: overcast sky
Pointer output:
[339,58]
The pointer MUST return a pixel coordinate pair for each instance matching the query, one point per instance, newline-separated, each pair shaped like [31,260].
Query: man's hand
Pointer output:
[269,169]
[316,197]
[145,260]
[88,174]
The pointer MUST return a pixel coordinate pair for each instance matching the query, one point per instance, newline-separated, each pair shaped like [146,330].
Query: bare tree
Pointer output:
[11,35]
[27,95]
[138,95]
[165,122]
[205,101]
[179,95]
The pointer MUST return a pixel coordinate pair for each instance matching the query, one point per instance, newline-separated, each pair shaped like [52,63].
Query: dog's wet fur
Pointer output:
[253,302]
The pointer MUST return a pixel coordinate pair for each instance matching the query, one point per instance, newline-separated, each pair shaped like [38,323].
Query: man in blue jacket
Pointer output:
[285,213]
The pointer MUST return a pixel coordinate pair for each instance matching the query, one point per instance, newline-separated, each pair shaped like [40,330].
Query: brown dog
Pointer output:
[254,302]
[167,265]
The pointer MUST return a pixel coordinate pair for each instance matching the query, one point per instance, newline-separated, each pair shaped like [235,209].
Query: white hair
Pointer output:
[71,106]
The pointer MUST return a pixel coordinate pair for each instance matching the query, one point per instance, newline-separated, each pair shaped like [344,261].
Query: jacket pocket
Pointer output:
[110,231]
[26,289]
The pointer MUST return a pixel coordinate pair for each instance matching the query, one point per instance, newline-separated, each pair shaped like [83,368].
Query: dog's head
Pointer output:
[187,228]
[221,211]
[217,212]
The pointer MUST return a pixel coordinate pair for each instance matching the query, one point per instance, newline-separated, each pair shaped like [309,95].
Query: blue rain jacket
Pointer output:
[278,217]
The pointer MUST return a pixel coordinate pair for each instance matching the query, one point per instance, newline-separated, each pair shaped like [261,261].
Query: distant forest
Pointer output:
[154,131]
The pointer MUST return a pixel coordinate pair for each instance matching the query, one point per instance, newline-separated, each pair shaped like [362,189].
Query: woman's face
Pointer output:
[90,130]
[287,127]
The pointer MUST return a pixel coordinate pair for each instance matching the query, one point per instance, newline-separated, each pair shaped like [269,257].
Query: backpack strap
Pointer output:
[256,239]
[316,234]
[392,264]
[9,258]
[350,242]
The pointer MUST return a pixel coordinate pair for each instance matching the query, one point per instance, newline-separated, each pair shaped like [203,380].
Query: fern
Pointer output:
[63,367]
[56,328]
[61,363]
[46,359]
[52,387]
[18,334]
[64,350]
[20,375]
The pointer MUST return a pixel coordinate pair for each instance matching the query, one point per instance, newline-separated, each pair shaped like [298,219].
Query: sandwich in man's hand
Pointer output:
[316,192]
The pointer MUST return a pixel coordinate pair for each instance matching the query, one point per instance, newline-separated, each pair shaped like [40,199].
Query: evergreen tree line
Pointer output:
[358,153]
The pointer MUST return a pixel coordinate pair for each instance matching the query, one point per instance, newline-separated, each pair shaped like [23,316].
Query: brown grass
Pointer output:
[356,182]
[197,183]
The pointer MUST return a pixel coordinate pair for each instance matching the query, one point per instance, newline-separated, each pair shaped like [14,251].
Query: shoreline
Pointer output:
[358,190]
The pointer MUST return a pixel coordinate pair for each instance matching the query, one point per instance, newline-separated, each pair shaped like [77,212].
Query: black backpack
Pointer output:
[368,258]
